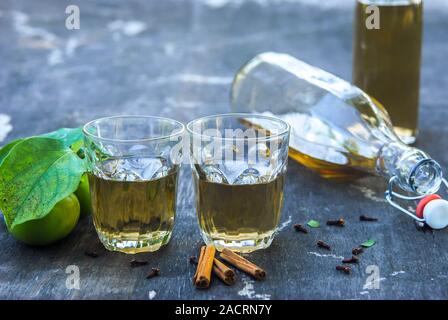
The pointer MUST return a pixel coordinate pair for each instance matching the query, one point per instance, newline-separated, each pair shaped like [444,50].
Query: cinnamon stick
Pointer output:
[243,264]
[223,272]
[203,273]
[198,263]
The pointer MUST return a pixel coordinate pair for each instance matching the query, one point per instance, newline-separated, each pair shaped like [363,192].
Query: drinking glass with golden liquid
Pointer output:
[239,163]
[386,62]
[134,163]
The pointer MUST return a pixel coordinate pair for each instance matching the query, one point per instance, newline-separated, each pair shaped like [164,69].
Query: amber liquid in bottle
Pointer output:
[328,169]
[387,61]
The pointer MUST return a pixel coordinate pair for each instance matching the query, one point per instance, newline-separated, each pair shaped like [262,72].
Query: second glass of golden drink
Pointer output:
[239,163]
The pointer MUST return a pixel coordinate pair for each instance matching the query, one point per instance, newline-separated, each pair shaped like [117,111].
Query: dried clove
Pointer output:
[138,263]
[323,245]
[353,259]
[154,273]
[193,260]
[358,250]
[344,269]
[300,228]
[340,222]
[91,253]
[366,218]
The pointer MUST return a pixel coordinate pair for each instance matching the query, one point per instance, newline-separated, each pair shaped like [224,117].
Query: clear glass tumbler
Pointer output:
[134,163]
[239,163]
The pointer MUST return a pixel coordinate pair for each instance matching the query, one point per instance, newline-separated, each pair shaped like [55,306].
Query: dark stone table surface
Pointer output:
[176,59]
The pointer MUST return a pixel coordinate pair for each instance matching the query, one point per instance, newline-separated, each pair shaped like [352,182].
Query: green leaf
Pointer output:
[37,173]
[4,151]
[71,137]
[368,243]
[313,224]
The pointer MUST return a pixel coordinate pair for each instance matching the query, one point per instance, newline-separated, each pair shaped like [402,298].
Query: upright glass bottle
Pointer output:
[386,58]
[336,128]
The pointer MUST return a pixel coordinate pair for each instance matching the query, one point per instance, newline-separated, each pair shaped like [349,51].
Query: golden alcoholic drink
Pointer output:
[141,212]
[387,60]
[245,215]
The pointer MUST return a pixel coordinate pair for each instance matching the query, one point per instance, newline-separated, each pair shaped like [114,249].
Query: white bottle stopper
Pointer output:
[435,213]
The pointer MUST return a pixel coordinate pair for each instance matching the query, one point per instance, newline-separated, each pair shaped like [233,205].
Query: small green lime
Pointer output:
[55,226]
[83,194]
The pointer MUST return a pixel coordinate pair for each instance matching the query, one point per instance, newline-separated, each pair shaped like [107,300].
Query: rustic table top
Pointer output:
[176,59]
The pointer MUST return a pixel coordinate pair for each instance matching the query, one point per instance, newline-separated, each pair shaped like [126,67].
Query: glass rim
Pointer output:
[285,131]
[178,132]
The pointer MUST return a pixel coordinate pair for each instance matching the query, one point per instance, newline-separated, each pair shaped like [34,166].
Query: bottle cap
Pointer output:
[431,209]
[436,213]
[421,205]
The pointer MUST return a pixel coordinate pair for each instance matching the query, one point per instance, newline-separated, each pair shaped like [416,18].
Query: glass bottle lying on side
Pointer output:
[336,128]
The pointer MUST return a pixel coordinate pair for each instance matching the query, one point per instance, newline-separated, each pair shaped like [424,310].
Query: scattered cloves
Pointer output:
[193,260]
[366,218]
[340,222]
[138,263]
[300,228]
[91,253]
[154,273]
[344,269]
[323,245]
[358,250]
[353,259]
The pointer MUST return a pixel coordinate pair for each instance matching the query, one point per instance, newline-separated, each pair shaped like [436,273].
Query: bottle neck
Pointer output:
[415,171]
